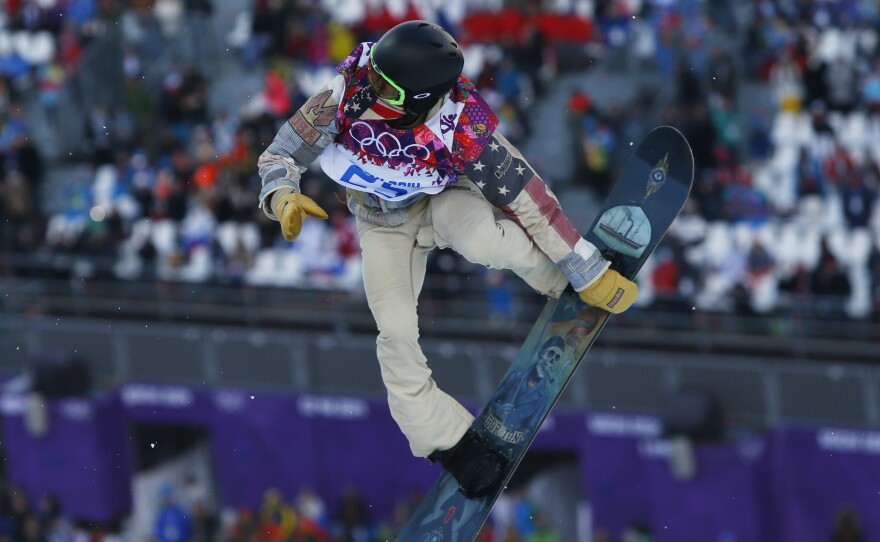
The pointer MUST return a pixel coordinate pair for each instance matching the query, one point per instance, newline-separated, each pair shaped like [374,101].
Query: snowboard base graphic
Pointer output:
[651,191]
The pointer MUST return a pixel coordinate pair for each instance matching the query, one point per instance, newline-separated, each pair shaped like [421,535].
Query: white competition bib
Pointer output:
[397,179]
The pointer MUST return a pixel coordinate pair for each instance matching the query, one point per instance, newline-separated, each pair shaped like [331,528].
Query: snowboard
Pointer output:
[653,186]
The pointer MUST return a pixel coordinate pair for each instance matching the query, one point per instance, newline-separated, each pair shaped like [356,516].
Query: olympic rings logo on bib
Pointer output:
[387,145]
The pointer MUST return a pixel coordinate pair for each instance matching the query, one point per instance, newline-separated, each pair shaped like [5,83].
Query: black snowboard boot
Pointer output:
[476,467]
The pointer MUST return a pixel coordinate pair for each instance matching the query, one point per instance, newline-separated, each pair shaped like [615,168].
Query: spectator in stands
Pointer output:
[486,532]
[205,524]
[690,91]
[696,125]
[858,200]
[352,521]
[598,147]
[511,534]
[846,526]
[740,200]
[15,210]
[636,533]
[48,511]
[830,283]
[874,277]
[824,137]
[6,519]
[32,531]
[502,303]
[50,79]
[871,89]
[758,143]
[727,123]
[277,518]
[543,530]
[19,512]
[759,261]
[842,85]
[839,165]
[524,512]
[5,96]
[786,80]
[795,49]
[244,527]
[172,522]
[665,277]
[391,529]
[723,75]
[61,529]
[98,140]
[809,177]
[312,518]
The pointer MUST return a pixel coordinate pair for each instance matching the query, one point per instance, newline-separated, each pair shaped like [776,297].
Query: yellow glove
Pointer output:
[292,209]
[612,292]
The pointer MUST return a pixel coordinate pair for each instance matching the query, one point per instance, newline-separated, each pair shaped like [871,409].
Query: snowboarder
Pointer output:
[415,146]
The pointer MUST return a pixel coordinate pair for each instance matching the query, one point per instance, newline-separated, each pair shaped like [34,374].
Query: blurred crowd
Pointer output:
[780,106]
[783,214]
[26,518]
[306,518]
[301,518]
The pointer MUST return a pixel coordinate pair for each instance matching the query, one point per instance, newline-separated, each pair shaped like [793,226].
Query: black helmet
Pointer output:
[421,59]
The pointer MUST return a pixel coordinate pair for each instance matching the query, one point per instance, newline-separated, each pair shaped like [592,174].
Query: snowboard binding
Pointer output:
[477,468]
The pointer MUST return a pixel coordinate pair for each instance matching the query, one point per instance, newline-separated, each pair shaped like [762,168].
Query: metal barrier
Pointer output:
[462,312]
[755,391]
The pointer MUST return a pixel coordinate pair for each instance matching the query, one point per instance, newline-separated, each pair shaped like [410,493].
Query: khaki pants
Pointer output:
[394,260]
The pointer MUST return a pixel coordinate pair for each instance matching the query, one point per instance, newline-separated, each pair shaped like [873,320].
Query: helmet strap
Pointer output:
[420,107]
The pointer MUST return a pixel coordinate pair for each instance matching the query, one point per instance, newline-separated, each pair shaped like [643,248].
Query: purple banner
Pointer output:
[613,470]
[562,430]
[786,486]
[80,450]
[718,494]
[816,472]
[325,443]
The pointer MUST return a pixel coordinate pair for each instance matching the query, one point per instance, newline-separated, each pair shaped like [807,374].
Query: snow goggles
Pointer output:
[383,86]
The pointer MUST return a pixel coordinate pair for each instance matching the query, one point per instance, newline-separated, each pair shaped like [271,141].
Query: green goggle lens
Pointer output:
[395,99]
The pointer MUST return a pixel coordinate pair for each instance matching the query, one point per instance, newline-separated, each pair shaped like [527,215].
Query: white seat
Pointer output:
[837,239]
[645,282]
[140,232]
[855,132]
[811,211]
[264,270]
[836,120]
[859,303]
[872,134]
[199,268]
[688,227]
[833,212]
[743,235]
[241,29]
[249,235]
[810,243]
[787,246]
[227,237]
[859,246]
[290,269]
[141,228]
[104,186]
[783,128]
[717,244]
[164,236]
[765,294]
